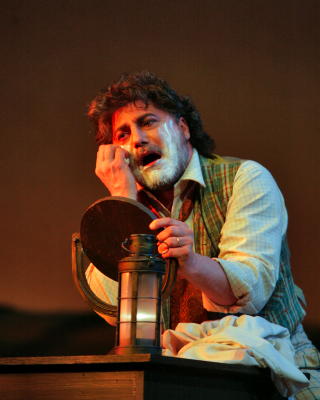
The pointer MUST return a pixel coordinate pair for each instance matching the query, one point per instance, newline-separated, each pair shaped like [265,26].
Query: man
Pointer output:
[222,219]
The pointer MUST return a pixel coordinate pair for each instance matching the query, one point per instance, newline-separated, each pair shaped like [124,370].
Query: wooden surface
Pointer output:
[72,386]
[106,224]
[141,376]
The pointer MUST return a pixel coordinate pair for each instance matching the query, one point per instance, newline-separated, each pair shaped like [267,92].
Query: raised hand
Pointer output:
[113,170]
[175,241]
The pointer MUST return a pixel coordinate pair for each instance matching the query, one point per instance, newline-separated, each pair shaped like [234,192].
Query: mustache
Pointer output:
[143,155]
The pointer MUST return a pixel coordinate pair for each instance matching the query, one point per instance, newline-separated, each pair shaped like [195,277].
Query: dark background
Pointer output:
[252,68]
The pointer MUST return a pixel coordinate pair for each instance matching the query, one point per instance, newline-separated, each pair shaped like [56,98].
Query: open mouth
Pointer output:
[149,159]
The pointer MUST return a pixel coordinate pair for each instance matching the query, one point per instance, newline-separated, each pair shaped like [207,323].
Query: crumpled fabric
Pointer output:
[246,340]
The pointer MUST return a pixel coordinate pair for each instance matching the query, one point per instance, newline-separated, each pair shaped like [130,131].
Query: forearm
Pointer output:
[208,276]
[251,239]
[176,241]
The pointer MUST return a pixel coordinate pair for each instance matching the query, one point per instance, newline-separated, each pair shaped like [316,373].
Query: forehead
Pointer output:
[132,111]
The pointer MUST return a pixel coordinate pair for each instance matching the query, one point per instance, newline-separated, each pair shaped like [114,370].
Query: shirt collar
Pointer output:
[193,171]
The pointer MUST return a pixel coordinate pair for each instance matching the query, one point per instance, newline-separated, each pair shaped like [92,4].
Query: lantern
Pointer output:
[139,298]
[108,240]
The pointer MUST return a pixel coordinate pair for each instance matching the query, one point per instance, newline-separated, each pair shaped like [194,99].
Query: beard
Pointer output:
[166,170]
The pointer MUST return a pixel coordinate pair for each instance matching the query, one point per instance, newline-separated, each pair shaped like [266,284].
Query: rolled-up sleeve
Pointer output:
[251,238]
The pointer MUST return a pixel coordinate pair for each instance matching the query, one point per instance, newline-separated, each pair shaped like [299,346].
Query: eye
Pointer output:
[121,136]
[149,122]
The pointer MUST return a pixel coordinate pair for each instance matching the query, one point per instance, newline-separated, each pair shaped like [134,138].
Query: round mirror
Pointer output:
[105,225]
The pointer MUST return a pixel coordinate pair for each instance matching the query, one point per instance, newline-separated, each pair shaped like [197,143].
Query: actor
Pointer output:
[223,219]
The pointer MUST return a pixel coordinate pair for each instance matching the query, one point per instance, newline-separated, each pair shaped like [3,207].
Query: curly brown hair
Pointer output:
[145,86]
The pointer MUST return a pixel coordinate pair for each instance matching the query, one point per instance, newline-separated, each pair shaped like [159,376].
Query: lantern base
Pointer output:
[126,350]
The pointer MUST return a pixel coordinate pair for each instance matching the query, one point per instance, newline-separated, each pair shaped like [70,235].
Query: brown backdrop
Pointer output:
[252,68]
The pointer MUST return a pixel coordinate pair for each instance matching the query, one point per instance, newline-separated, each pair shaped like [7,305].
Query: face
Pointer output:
[157,143]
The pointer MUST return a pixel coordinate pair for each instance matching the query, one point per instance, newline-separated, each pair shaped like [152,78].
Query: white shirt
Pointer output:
[251,237]
[250,244]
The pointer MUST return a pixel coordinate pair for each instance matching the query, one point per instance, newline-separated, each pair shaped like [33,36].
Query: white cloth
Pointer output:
[246,340]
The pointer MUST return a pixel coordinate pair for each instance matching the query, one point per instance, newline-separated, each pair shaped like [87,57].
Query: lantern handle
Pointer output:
[124,243]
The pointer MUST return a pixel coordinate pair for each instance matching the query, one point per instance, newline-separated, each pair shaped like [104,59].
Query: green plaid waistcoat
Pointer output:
[210,207]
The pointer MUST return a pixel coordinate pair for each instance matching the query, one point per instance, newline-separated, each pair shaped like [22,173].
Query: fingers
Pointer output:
[108,157]
[171,228]
[105,152]
[176,238]
[108,153]
[174,242]
[163,223]
[114,171]
[121,155]
[173,252]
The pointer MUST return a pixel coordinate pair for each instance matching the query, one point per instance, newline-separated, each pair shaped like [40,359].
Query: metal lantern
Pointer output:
[143,276]
[139,299]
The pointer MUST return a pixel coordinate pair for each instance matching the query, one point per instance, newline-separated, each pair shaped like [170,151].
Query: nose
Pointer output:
[139,138]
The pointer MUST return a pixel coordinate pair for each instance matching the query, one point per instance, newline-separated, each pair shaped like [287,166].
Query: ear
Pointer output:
[184,127]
